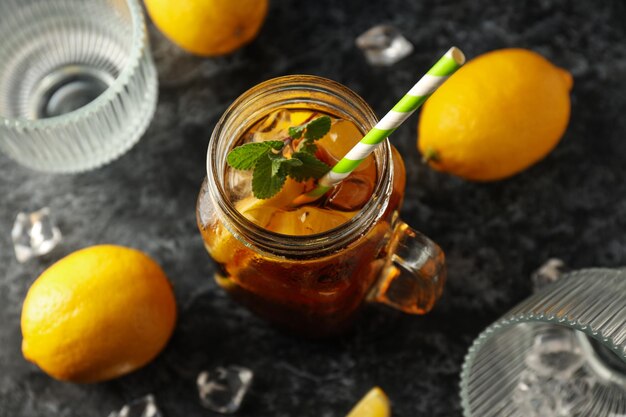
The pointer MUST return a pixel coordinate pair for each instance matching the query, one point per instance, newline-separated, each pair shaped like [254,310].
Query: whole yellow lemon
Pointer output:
[208,27]
[98,313]
[500,113]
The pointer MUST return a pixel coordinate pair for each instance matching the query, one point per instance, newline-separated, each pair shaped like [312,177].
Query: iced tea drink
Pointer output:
[310,268]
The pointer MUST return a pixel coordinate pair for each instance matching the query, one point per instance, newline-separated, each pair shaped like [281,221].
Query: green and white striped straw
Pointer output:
[446,66]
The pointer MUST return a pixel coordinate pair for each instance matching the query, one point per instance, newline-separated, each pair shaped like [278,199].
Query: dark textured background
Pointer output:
[572,205]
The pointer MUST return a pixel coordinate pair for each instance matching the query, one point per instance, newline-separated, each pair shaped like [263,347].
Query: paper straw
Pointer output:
[437,75]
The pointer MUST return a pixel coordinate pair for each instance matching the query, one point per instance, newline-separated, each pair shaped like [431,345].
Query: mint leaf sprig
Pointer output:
[273,161]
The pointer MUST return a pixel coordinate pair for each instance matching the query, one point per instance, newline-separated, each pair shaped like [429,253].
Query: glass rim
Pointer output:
[302,246]
[138,45]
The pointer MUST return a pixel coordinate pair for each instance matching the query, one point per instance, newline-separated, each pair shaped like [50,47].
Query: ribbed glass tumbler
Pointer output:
[78,86]
[561,352]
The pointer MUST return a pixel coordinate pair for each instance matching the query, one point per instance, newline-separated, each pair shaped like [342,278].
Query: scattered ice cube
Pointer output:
[547,273]
[223,389]
[556,352]
[34,234]
[141,407]
[384,45]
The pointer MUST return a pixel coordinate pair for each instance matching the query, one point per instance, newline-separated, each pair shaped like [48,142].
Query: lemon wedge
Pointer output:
[374,404]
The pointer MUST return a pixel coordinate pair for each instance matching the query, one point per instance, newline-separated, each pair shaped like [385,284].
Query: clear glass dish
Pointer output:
[561,352]
[78,86]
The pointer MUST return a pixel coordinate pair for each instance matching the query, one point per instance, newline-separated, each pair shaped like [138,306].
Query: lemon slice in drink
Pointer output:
[260,211]
[275,215]
[257,211]
[306,221]
[374,404]
[219,241]
[341,139]
[299,222]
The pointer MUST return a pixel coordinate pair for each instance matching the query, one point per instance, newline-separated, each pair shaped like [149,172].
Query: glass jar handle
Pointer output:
[414,273]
